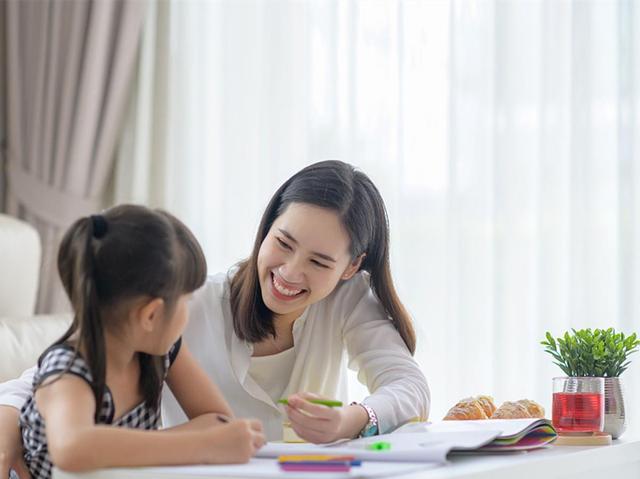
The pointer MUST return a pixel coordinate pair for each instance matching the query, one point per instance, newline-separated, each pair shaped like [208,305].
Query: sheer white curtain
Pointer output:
[504,137]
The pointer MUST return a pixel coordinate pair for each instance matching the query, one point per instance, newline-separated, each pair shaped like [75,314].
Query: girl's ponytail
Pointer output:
[77,266]
[91,334]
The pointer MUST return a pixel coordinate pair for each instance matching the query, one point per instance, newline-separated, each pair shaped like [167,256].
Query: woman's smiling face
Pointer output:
[302,258]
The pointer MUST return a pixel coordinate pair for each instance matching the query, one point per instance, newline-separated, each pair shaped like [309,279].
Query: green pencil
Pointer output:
[324,402]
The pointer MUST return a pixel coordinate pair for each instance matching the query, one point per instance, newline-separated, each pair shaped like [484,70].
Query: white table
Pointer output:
[619,461]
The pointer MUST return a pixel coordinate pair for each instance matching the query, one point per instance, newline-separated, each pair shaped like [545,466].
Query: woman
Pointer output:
[317,285]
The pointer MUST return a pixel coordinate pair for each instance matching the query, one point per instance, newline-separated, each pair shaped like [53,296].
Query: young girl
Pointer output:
[129,274]
[315,296]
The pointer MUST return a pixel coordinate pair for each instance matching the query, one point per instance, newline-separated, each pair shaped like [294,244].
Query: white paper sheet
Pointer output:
[407,447]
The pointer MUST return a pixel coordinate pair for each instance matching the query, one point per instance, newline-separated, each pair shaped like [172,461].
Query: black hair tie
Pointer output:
[99,226]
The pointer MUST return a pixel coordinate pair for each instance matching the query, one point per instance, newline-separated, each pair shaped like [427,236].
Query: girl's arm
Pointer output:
[193,389]
[75,443]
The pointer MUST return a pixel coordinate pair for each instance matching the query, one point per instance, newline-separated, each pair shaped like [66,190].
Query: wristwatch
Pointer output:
[371,428]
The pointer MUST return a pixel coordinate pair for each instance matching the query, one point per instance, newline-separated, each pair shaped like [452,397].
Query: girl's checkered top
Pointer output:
[62,358]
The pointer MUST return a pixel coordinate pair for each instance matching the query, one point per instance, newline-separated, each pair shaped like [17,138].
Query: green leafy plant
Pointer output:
[597,353]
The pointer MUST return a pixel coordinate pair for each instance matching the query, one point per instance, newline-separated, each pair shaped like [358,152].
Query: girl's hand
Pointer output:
[321,424]
[234,442]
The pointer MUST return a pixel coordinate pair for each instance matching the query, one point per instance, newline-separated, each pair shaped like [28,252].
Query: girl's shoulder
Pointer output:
[61,359]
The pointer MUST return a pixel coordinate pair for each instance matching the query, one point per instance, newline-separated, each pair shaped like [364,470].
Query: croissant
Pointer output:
[480,407]
[511,410]
[534,409]
[524,408]
[487,404]
[483,407]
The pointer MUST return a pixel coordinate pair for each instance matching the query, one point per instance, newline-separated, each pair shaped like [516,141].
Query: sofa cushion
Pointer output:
[20,266]
[22,340]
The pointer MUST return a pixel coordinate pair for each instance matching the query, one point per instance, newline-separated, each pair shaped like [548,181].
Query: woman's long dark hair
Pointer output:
[126,253]
[340,187]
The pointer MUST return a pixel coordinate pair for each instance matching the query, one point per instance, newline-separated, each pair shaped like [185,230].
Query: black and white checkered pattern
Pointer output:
[64,359]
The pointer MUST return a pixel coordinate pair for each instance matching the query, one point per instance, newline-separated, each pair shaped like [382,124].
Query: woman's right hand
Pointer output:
[19,467]
[10,444]
[233,443]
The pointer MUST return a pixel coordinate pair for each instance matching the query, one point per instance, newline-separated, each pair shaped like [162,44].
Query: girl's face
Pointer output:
[302,258]
[150,329]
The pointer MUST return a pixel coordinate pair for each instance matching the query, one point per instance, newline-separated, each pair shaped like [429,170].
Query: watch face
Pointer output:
[370,430]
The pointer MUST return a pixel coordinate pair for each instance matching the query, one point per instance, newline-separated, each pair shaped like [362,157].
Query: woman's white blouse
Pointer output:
[261,371]
[348,328]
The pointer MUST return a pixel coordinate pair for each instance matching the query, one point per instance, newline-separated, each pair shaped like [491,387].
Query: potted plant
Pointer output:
[597,353]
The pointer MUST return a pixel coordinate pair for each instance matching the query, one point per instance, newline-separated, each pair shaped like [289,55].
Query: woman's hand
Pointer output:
[322,424]
[20,468]
[10,444]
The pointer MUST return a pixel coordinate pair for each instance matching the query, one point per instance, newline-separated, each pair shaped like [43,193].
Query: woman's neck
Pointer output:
[285,321]
[283,338]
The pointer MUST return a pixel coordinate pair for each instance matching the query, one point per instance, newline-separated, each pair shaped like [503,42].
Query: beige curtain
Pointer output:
[141,171]
[68,76]
[3,110]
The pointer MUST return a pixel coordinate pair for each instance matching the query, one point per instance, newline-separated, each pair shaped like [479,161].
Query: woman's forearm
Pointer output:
[355,419]
[10,443]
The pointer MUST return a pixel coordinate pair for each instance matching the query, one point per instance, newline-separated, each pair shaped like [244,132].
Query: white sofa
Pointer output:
[19,266]
[23,339]
[23,335]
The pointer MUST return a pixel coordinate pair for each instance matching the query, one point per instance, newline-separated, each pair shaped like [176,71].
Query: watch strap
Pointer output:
[371,428]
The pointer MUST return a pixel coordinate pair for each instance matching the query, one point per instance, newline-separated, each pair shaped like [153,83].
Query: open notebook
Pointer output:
[514,434]
[432,442]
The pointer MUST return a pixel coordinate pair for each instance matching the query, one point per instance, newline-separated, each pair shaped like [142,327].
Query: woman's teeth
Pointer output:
[282,290]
